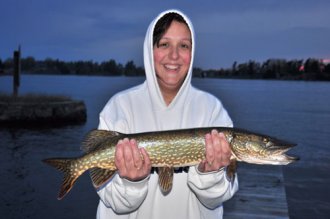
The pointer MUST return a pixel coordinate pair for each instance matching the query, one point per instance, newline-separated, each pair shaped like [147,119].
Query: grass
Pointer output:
[33,98]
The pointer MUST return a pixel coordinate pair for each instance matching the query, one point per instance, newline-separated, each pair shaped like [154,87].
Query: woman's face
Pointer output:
[172,56]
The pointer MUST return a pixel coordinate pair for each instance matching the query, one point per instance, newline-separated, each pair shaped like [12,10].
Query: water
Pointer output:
[296,111]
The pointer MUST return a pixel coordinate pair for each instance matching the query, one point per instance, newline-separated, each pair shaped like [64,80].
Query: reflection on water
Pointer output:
[296,111]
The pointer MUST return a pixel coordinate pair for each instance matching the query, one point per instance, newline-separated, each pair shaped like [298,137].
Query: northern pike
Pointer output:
[167,150]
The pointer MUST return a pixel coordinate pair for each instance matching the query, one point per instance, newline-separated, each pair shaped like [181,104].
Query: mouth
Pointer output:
[171,67]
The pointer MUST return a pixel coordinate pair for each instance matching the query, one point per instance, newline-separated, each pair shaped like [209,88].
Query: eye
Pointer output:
[163,45]
[185,45]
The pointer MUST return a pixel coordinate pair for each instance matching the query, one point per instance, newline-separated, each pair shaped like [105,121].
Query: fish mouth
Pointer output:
[279,144]
[292,158]
[279,149]
[273,152]
[274,160]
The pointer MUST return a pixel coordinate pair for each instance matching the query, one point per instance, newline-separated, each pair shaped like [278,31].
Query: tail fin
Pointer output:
[70,176]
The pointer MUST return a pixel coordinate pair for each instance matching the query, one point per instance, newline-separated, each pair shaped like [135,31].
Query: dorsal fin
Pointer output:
[95,138]
[100,176]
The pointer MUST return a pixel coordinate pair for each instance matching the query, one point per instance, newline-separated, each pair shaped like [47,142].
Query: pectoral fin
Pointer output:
[165,180]
[100,176]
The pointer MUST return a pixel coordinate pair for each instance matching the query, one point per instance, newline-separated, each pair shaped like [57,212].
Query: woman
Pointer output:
[166,100]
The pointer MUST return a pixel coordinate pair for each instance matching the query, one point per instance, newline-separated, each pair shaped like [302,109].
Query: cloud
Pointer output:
[226,31]
[265,20]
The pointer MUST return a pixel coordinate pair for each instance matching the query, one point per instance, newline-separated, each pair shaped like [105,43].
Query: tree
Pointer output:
[110,68]
[293,68]
[62,67]
[28,64]
[130,69]
[267,69]
[8,63]
[1,65]
[84,67]
[312,66]
[327,69]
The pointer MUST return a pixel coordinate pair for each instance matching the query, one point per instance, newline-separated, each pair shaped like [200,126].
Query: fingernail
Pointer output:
[223,135]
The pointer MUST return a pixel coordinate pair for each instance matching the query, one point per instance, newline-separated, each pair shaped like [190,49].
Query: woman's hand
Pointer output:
[133,163]
[217,153]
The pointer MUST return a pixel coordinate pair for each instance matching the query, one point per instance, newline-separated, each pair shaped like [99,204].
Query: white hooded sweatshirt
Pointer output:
[142,108]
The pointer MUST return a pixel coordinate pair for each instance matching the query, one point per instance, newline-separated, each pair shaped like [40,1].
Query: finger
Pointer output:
[217,147]
[119,157]
[146,160]
[223,152]
[202,166]
[128,155]
[209,153]
[225,145]
[136,154]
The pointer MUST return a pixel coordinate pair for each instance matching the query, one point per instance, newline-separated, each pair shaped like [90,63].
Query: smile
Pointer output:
[172,67]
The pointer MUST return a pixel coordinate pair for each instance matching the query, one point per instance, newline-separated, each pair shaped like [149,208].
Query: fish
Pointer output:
[167,150]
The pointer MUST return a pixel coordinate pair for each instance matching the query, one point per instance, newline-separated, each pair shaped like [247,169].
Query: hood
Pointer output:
[153,87]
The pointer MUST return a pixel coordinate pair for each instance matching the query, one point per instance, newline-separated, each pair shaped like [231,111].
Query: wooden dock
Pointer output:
[261,194]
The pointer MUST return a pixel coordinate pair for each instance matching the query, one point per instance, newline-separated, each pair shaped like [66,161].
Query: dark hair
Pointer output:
[164,23]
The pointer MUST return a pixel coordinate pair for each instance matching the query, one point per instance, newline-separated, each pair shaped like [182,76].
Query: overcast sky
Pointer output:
[226,31]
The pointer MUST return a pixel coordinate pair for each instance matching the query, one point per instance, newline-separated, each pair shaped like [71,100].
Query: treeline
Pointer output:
[55,66]
[310,69]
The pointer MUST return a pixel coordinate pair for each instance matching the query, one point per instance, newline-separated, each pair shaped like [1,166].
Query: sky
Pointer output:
[226,30]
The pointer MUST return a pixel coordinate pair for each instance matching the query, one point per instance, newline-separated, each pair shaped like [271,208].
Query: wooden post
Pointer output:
[17,70]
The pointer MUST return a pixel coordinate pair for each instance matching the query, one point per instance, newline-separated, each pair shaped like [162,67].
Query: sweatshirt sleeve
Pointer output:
[121,195]
[213,188]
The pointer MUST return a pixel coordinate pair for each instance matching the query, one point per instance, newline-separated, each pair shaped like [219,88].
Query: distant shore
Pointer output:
[311,69]
[36,110]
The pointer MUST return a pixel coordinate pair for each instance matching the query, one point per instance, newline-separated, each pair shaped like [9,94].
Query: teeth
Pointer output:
[172,67]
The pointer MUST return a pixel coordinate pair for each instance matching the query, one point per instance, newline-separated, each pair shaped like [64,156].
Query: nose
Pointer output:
[174,53]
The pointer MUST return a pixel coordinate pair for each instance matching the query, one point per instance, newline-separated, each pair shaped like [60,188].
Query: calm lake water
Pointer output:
[295,111]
